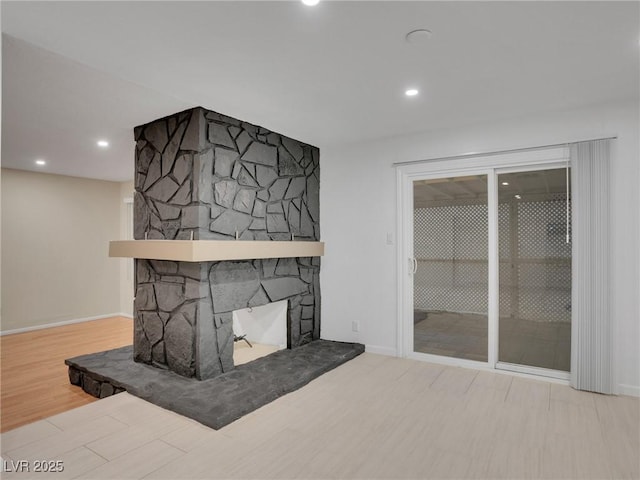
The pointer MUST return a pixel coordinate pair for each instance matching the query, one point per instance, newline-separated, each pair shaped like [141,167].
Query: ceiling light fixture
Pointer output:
[505,183]
[40,162]
[411,92]
[102,143]
[311,3]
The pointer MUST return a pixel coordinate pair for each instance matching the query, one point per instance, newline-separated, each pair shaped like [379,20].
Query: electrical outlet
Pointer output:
[355,327]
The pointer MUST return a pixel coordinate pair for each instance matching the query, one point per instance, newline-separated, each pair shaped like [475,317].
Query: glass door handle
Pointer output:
[415,265]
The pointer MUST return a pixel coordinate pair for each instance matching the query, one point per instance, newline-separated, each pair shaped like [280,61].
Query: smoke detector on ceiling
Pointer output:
[419,36]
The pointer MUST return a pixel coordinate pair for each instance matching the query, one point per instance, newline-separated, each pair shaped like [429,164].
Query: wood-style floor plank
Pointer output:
[374,417]
[34,383]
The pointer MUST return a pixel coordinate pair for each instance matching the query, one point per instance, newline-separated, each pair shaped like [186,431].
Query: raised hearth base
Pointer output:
[218,401]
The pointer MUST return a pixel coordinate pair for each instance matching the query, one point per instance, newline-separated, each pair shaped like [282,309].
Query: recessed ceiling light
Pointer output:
[311,3]
[411,92]
[518,196]
[102,143]
[419,36]
[40,162]
[505,183]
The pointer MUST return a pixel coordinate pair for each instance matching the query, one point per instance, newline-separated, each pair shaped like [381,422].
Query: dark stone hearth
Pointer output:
[91,386]
[218,401]
[75,376]
[106,390]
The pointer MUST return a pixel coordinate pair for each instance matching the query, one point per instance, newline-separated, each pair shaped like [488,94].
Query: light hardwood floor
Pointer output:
[373,417]
[34,382]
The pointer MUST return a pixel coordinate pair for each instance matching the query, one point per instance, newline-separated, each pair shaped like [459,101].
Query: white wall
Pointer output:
[55,234]
[358,211]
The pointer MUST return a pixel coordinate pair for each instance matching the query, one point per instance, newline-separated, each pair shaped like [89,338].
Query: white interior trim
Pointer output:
[63,323]
[401,303]
[481,366]
[525,372]
[459,165]
[500,152]
[486,164]
[389,352]
[630,390]
[537,371]
[451,361]
[493,267]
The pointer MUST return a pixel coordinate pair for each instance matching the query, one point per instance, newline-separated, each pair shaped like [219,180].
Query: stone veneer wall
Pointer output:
[202,174]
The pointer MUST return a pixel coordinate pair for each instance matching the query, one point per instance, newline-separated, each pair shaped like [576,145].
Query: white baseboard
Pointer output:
[390,352]
[630,390]
[60,324]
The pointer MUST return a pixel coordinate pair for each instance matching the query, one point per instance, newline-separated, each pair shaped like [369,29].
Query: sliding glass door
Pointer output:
[490,267]
[450,245]
[535,269]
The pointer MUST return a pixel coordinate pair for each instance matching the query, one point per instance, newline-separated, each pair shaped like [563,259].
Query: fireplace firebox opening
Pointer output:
[259,331]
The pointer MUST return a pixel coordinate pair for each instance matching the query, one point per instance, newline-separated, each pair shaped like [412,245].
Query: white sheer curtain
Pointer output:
[592,325]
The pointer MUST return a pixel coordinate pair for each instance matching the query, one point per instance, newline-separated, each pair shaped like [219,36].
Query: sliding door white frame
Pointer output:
[490,165]
[405,330]
[542,372]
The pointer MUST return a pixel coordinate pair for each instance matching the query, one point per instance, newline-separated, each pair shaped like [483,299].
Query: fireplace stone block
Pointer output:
[206,176]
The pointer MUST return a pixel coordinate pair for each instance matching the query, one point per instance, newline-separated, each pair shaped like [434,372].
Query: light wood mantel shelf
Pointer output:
[213,250]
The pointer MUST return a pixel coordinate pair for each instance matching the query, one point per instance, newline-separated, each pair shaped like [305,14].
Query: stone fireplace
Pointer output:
[226,217]
[205,176]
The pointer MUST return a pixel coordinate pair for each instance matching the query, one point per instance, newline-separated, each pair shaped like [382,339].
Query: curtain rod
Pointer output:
[499,152]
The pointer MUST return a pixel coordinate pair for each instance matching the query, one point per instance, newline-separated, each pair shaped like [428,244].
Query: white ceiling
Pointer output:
[74,72]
